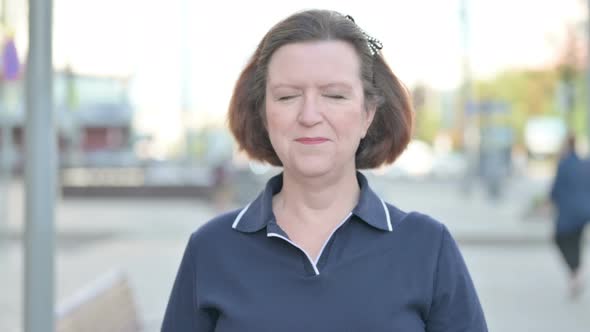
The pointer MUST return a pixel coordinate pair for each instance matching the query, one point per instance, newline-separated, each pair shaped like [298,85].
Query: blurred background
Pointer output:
[140,93]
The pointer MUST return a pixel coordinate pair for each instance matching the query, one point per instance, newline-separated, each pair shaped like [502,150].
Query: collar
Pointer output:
[370,208]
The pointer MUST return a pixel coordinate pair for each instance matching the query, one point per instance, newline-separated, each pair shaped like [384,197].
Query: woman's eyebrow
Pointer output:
[337,85]
[341,85]
[282,85]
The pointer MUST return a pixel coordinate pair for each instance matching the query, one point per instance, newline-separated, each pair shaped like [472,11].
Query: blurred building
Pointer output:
[93,117]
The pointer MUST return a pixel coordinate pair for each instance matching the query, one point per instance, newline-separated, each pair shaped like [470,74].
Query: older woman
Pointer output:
[318,250]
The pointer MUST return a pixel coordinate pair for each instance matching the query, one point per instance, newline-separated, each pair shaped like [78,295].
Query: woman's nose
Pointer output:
[310,112]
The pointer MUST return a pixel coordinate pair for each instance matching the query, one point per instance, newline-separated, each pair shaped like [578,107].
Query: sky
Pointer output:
[184,56]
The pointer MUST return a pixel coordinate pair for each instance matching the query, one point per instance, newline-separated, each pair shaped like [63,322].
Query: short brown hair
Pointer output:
[391,128]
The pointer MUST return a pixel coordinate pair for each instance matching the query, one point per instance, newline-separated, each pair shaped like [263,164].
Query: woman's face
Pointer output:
[315,108]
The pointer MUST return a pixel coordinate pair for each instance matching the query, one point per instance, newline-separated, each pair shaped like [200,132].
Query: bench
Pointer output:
[106,305]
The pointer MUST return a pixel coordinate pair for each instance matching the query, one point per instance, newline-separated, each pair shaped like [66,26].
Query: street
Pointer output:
[517,272]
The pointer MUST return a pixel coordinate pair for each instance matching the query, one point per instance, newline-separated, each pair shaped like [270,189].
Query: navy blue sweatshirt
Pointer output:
[381,270]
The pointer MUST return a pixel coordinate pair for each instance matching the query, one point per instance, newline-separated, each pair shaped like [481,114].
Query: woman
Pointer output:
[570,194]
[318,250]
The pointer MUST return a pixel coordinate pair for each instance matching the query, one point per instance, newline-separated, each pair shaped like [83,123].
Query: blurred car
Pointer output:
[416,161]
[544,136]
[449,166]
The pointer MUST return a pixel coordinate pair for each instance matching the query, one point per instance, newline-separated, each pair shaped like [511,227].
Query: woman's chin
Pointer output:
[314,168]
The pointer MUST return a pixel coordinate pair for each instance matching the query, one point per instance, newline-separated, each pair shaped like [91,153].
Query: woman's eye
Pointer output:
[335,96]
[284,98]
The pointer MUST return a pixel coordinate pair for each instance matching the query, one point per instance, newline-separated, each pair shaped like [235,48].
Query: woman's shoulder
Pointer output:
[219,228]
[415,222]
[422,235]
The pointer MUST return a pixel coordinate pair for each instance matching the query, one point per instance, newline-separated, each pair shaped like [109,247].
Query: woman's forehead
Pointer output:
[326,62]
[330,50]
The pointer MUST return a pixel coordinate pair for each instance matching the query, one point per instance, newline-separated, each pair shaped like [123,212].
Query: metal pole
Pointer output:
[4,164]
[40,167]
[185,81]
[6,160]
[469,129]
[5,144]
[466,83]
[588,75]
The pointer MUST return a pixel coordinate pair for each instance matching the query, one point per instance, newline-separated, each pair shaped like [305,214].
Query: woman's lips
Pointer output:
[311,140]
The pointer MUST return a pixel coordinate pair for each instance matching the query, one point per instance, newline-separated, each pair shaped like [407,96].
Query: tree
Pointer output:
[427,117]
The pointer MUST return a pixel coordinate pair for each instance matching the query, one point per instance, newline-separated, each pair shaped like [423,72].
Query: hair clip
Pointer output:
[374,44]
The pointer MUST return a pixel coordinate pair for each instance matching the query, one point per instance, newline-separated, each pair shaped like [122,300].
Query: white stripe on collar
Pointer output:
[315,268]
[387,215]
[329,237]
[239,217]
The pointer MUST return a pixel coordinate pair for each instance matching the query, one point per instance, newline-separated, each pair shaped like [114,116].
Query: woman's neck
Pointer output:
[316,199]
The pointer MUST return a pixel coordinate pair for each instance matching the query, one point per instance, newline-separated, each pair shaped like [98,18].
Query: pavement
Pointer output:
[520,278]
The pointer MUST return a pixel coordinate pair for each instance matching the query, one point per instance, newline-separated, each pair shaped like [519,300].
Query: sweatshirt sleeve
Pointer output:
[182,313]
[455,306]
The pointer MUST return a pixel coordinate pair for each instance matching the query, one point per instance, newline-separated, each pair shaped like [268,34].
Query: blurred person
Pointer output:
[223,186]
[570,194]
[496,159]
[318,250]
[493,172]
